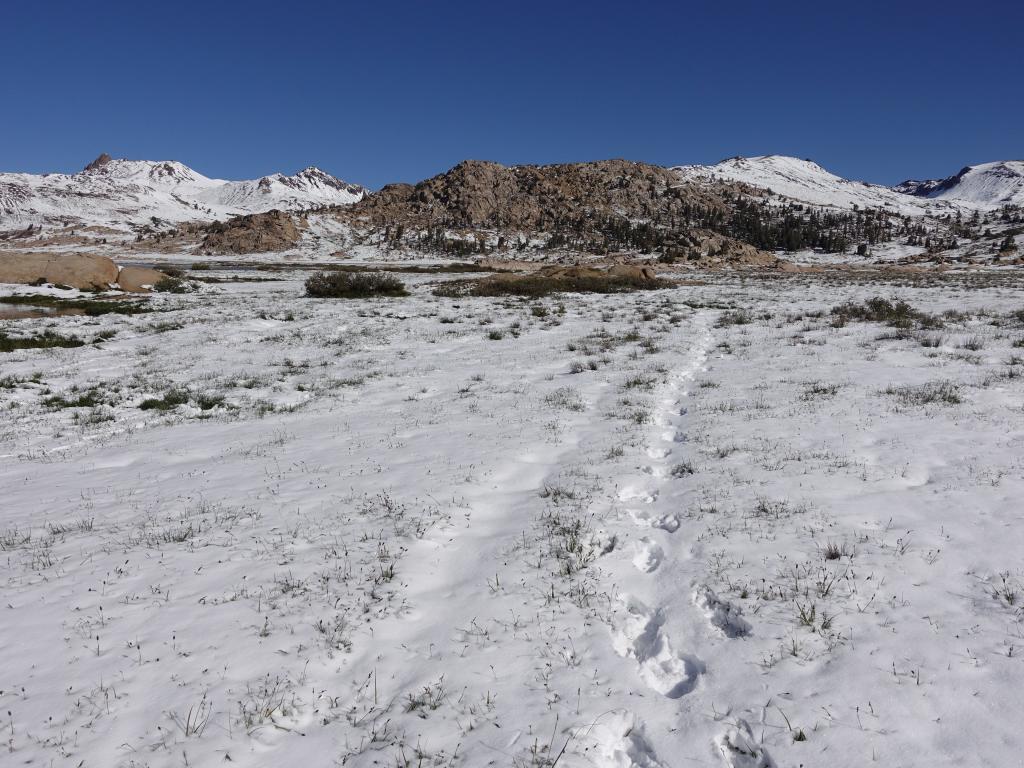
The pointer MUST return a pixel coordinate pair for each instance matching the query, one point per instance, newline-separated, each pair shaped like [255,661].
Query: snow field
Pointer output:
[406,532]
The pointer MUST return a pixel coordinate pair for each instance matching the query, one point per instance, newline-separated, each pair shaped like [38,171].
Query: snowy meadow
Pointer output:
[749,521]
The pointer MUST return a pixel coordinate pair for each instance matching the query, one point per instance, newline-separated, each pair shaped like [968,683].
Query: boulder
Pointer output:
[139,279]
[78,270]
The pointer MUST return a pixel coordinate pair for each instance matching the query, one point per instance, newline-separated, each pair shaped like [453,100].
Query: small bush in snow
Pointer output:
[171,400]
[895,312]
[353,285]
[172,285]
[944,392]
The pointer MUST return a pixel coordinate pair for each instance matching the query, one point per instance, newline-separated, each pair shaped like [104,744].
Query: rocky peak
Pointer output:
[99,162]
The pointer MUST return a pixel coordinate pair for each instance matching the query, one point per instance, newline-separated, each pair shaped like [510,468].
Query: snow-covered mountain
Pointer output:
[807,182]
[121,193]
[984,185]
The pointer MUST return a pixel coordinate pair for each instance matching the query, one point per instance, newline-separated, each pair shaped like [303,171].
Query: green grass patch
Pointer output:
[89,307]
[44,340]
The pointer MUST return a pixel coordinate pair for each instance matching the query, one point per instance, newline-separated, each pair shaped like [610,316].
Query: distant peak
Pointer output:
[99,162]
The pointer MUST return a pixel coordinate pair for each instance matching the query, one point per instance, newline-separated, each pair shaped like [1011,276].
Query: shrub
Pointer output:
[640,381]
[944,392]
[209,401]
[819,389]
[739,317]
[89,399]
[172,285]
[537,286]
[896,313]
[171,399]
[682,469]
[353,285]
[566,398]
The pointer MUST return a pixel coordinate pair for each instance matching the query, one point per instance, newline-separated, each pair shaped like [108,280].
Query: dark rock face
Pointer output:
[99,162]
[254,233]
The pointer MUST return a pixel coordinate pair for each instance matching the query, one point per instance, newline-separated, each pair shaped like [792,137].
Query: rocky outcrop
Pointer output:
[477,194]
[253,233]
[99,162]
[600,208]
[77,270]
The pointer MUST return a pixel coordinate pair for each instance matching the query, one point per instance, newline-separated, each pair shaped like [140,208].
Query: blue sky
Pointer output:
[397,91]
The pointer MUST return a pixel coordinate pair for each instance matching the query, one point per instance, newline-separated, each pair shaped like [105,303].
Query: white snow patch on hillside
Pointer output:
[122,193]
[988,185]
[807,182]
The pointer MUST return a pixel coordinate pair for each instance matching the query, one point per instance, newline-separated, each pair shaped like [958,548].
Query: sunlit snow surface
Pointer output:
[409,534]
[123,193]
[984,186]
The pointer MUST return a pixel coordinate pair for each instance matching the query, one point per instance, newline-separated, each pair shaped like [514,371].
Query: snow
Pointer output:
[402,539]
[979,187]
[988,185]
[807,182]
[125,193]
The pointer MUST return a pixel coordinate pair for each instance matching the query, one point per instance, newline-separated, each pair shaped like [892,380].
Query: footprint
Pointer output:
[670,674]
[637,494]
[638,631]
[644,519]
[728,618]
[648,555]
[606,542]
[668,523]
[618,741]
[740,749]
[640,636]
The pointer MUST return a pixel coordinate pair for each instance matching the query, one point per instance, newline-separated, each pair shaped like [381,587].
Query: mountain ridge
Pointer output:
[131,193]
[995,183]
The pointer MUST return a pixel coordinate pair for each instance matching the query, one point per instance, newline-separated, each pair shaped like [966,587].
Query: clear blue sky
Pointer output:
[380,91]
